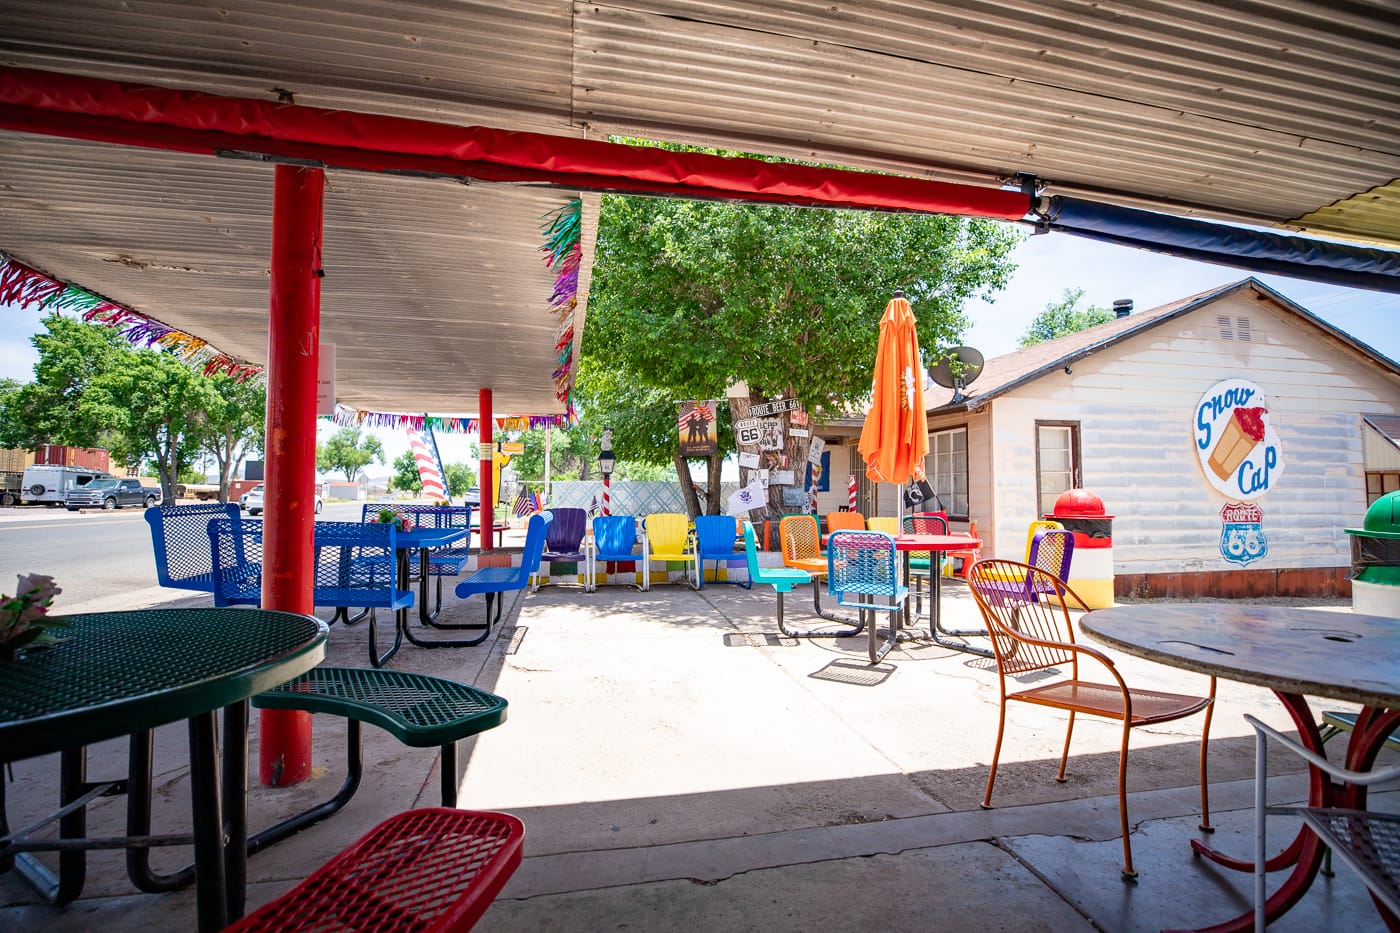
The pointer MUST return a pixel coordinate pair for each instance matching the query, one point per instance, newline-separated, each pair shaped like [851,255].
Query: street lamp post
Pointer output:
[606,462]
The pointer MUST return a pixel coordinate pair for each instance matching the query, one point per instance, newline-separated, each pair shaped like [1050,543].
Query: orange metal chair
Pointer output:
[801,547]
[844,521]
[1026,615]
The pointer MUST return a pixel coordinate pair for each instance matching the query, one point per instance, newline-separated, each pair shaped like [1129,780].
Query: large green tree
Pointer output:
[91,389]
[688,298]
[1064,317]
[349,452]
[157,408]
[234,424]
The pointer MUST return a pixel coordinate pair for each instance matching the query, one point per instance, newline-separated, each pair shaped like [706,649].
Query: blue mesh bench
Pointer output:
[180,539]
[442,561]
[354,567]
[493,581]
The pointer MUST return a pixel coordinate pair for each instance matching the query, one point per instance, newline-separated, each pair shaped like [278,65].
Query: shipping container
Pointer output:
[14,460]
[88,458]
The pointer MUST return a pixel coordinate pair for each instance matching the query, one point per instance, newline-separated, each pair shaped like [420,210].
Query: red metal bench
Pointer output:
[432,869]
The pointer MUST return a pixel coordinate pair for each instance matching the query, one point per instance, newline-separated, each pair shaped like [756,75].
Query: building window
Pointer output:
[1056,461]
[1380,482]
[947,470]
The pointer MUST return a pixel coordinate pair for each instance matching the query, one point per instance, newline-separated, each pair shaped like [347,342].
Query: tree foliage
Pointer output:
[91,389]
[459,478]
[405,476]
[348,452]
[1062,317]
[688,297]
[235,424]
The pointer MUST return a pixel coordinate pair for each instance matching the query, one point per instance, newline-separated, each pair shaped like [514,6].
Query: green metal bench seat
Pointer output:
[418,710]
[427,870]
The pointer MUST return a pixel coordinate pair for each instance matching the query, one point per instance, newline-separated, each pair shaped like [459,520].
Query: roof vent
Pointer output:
[1122,307]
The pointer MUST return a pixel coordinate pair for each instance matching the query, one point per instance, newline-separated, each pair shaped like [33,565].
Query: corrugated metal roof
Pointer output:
[1284,112]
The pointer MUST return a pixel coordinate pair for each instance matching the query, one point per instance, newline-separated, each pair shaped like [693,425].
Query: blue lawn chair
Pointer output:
[863,570]
[493,581]
[714,540]
[614,539]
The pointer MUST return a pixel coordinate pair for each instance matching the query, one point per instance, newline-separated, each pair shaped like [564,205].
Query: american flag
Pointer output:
[524,503]
[429,465]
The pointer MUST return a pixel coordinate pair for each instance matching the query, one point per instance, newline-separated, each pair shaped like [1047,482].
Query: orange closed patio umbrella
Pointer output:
[894,440]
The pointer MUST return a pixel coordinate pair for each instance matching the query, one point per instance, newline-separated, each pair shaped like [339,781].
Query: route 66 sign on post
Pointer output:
[1242,538]
[747,432]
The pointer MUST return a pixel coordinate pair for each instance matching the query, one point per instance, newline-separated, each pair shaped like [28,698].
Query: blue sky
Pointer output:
[1046,266]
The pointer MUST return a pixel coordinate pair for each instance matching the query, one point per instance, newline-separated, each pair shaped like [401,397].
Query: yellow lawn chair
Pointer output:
[666,537]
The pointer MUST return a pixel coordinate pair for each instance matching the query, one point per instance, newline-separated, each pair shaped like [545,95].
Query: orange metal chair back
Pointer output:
[844,521]
[802,545]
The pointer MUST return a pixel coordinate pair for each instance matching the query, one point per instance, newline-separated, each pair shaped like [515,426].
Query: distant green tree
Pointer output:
[570,455]
[405,477]
[1062,317]
[347,452]
[460,478]
[156,408]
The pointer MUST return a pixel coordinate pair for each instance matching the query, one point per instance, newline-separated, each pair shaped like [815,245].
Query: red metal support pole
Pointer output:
[486,483]
[293,347]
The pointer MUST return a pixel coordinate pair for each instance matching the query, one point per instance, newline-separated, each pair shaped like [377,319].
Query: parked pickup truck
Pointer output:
[112,494]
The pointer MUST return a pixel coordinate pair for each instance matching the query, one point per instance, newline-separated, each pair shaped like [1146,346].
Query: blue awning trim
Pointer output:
[1296,256]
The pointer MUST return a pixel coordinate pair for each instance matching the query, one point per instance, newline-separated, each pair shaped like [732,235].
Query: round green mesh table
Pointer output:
[121,672]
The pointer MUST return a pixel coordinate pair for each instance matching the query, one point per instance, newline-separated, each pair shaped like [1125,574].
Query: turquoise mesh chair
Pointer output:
[863,571]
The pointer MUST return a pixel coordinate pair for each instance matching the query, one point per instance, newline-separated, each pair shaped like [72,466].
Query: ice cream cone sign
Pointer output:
[1239,452]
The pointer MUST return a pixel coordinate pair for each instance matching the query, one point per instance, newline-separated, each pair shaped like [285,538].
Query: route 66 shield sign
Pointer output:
[1242,538]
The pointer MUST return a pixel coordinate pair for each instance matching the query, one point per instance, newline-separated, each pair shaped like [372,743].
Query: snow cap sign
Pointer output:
[1239,452]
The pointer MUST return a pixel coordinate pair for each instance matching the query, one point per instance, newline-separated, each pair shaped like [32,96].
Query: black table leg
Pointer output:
[235,794]
[936,631]
[206,815]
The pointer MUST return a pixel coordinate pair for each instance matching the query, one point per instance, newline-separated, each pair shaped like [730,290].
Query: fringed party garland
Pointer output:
[357,418]
[29,288]
[563,229]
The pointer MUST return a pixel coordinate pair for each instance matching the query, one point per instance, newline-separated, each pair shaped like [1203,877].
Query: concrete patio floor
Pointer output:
[679,766]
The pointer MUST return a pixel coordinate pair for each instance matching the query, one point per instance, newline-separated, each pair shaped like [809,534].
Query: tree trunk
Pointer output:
[692,501]
[712,488]
[792,457]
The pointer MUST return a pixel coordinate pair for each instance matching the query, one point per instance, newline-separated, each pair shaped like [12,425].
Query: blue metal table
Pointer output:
[124,673]
[424,539]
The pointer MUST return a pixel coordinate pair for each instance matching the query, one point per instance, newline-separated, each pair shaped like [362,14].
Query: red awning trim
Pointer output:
[189,121]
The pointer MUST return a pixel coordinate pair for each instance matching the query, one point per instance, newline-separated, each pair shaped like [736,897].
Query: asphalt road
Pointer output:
[95,555]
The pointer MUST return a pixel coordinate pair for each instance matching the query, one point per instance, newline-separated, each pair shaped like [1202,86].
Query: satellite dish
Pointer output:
[957,370]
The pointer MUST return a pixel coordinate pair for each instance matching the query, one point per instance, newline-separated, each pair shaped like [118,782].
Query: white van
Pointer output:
[50,484]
